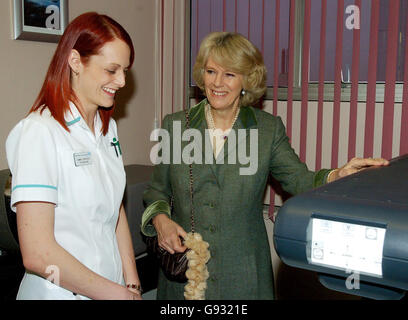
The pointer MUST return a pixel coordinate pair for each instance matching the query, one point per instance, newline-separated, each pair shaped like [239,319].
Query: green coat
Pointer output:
[229,206]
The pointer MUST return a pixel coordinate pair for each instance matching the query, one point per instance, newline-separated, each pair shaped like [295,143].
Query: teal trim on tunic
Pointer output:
[70,123]
[34,186]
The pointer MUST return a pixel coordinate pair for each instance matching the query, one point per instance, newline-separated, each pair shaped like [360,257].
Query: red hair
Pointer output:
[87,34]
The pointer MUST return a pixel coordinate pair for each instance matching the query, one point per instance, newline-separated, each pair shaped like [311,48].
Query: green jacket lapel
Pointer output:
[246,120]
[198,122]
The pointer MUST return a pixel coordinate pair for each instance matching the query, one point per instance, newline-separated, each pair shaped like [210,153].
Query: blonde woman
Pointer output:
[228,204]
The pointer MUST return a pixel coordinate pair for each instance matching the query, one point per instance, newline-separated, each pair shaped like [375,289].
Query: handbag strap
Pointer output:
[191,180]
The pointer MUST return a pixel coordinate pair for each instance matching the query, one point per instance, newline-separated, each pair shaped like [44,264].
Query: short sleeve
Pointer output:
[32,159]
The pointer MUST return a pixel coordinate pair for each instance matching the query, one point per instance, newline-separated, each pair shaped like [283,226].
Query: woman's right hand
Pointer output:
[169,233]
[134,295]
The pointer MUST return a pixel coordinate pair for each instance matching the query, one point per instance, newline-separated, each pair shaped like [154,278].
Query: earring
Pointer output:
[243,92]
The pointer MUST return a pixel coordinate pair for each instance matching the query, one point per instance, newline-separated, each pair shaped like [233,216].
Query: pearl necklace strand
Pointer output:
[211,124]
[213,130]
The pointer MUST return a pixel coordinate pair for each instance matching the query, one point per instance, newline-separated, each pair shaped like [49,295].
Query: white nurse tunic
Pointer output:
[83,175]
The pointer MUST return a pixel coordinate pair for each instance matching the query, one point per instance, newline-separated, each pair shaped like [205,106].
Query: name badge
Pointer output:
[82,159]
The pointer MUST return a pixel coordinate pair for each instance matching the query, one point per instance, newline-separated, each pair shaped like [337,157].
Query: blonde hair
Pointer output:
[236,53]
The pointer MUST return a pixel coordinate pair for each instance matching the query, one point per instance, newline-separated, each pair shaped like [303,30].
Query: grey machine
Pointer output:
[352,232]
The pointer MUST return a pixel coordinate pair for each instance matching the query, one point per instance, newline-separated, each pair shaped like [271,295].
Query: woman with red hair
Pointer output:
[67,171]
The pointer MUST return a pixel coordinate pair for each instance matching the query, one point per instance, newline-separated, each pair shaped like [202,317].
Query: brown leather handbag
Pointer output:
[174,266]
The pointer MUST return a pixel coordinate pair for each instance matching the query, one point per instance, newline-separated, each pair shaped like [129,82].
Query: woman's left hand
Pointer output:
[355,165]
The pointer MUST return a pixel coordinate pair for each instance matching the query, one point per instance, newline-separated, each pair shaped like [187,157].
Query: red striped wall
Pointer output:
[372,78]
[323,133]
[388,120]
[404,115]
[319,122]
[354,90]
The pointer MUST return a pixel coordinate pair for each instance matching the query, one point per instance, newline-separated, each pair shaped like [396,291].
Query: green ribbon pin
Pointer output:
[115,143]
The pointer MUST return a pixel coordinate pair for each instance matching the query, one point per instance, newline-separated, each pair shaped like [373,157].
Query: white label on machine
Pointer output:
[353,247]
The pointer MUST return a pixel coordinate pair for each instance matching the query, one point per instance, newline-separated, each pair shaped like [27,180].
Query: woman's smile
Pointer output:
[110,92]
[223,87]
[219,93]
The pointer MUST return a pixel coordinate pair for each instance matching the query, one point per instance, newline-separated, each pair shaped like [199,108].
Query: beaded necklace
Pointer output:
[213,130]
